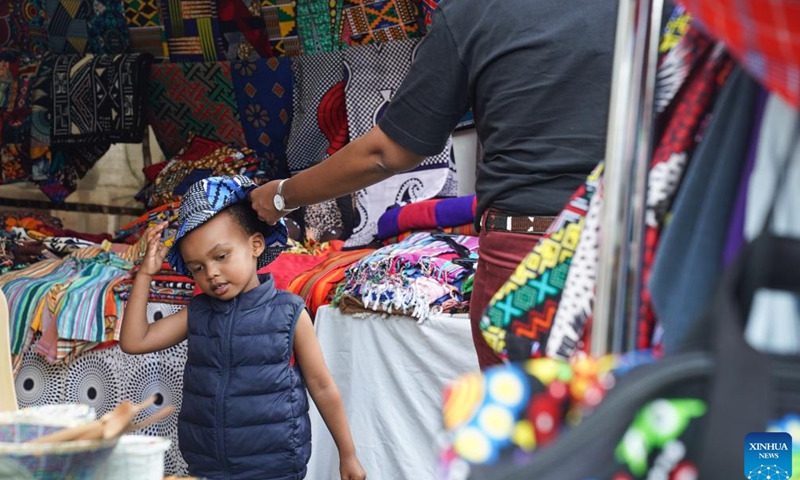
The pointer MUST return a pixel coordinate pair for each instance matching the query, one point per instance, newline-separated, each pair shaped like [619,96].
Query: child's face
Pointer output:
[222,257]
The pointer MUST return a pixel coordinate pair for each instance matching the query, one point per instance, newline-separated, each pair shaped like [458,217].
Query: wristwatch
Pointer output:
[279,201]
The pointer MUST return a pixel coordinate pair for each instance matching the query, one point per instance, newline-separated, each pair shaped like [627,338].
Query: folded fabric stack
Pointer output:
[455,214]
[70,302]
[418,277]
[132,232]
[313,272]
[201,158]
[26,238]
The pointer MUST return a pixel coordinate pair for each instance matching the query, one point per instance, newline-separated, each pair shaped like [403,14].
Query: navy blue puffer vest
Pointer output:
[245,410]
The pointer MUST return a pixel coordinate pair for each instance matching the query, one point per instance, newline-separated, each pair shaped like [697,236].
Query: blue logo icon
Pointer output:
[768,456]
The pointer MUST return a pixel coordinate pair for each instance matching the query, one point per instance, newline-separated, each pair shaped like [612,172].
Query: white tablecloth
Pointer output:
[391,372]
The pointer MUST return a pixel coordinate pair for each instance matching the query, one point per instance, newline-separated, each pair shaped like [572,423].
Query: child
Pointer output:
[245,410]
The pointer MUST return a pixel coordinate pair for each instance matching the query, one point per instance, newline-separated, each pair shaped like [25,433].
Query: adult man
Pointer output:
[536,74]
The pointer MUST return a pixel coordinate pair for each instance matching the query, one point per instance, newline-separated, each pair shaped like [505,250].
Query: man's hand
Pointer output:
[262,201]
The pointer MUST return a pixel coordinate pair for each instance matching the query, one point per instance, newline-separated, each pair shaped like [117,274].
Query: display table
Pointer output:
[391,372]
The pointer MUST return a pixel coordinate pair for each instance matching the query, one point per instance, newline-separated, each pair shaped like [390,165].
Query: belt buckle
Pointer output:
[508,223]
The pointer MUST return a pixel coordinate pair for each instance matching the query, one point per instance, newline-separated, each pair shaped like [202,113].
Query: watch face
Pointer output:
[278,201]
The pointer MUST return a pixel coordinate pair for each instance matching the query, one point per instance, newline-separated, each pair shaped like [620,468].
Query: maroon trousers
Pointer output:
[499,254]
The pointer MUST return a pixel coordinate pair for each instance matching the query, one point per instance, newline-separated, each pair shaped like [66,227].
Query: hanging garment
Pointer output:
[689,258]
[760,36]
[193,98]
[519,318]
[696,69]
[86,27]
[99,99]
[146,28]
[264,90]
[280,16]
[192,31]
[371,21]
[374,73]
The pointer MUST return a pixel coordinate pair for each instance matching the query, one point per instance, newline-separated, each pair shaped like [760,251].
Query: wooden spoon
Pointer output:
[156,417]
[110,425]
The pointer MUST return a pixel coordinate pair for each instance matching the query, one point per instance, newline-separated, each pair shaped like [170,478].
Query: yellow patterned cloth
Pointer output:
[519,318]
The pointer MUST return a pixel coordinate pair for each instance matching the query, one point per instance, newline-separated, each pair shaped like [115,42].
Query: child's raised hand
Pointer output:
[350,469]
[156,250]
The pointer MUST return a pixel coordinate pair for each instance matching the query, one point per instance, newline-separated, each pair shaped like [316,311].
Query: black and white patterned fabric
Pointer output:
[319,122]
[95,379]
[159,374]
[373,73]
[38,382]
[577,298]
[101,379]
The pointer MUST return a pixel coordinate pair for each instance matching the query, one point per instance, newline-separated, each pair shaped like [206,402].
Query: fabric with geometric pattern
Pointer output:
[519,318]
[370,21]
[193,98]
[374,73]
[264,91]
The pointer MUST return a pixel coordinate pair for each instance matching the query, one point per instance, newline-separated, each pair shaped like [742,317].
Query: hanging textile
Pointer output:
[374,73]
[426,9]
[244,32]
[370,21]
[319,129]
[18,78]
[29,24]
[696,232]
[319,126]
[317,25]
[577,300]
[761,36]
[144,22]
[79,27]
[6,38]
[193,98]
[280,17]
[99,98]
[192,30]
[519,318]
[696,69]
[264,91]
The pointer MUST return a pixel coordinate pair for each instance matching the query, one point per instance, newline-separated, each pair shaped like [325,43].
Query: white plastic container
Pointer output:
[138,457]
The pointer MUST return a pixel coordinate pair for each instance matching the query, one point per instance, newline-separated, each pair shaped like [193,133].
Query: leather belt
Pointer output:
[500,222]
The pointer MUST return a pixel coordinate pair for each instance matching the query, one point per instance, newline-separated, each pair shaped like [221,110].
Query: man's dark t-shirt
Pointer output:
[537,74]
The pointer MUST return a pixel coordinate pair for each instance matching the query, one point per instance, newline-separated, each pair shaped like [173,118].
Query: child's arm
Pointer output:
[137,336]
[326,396]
